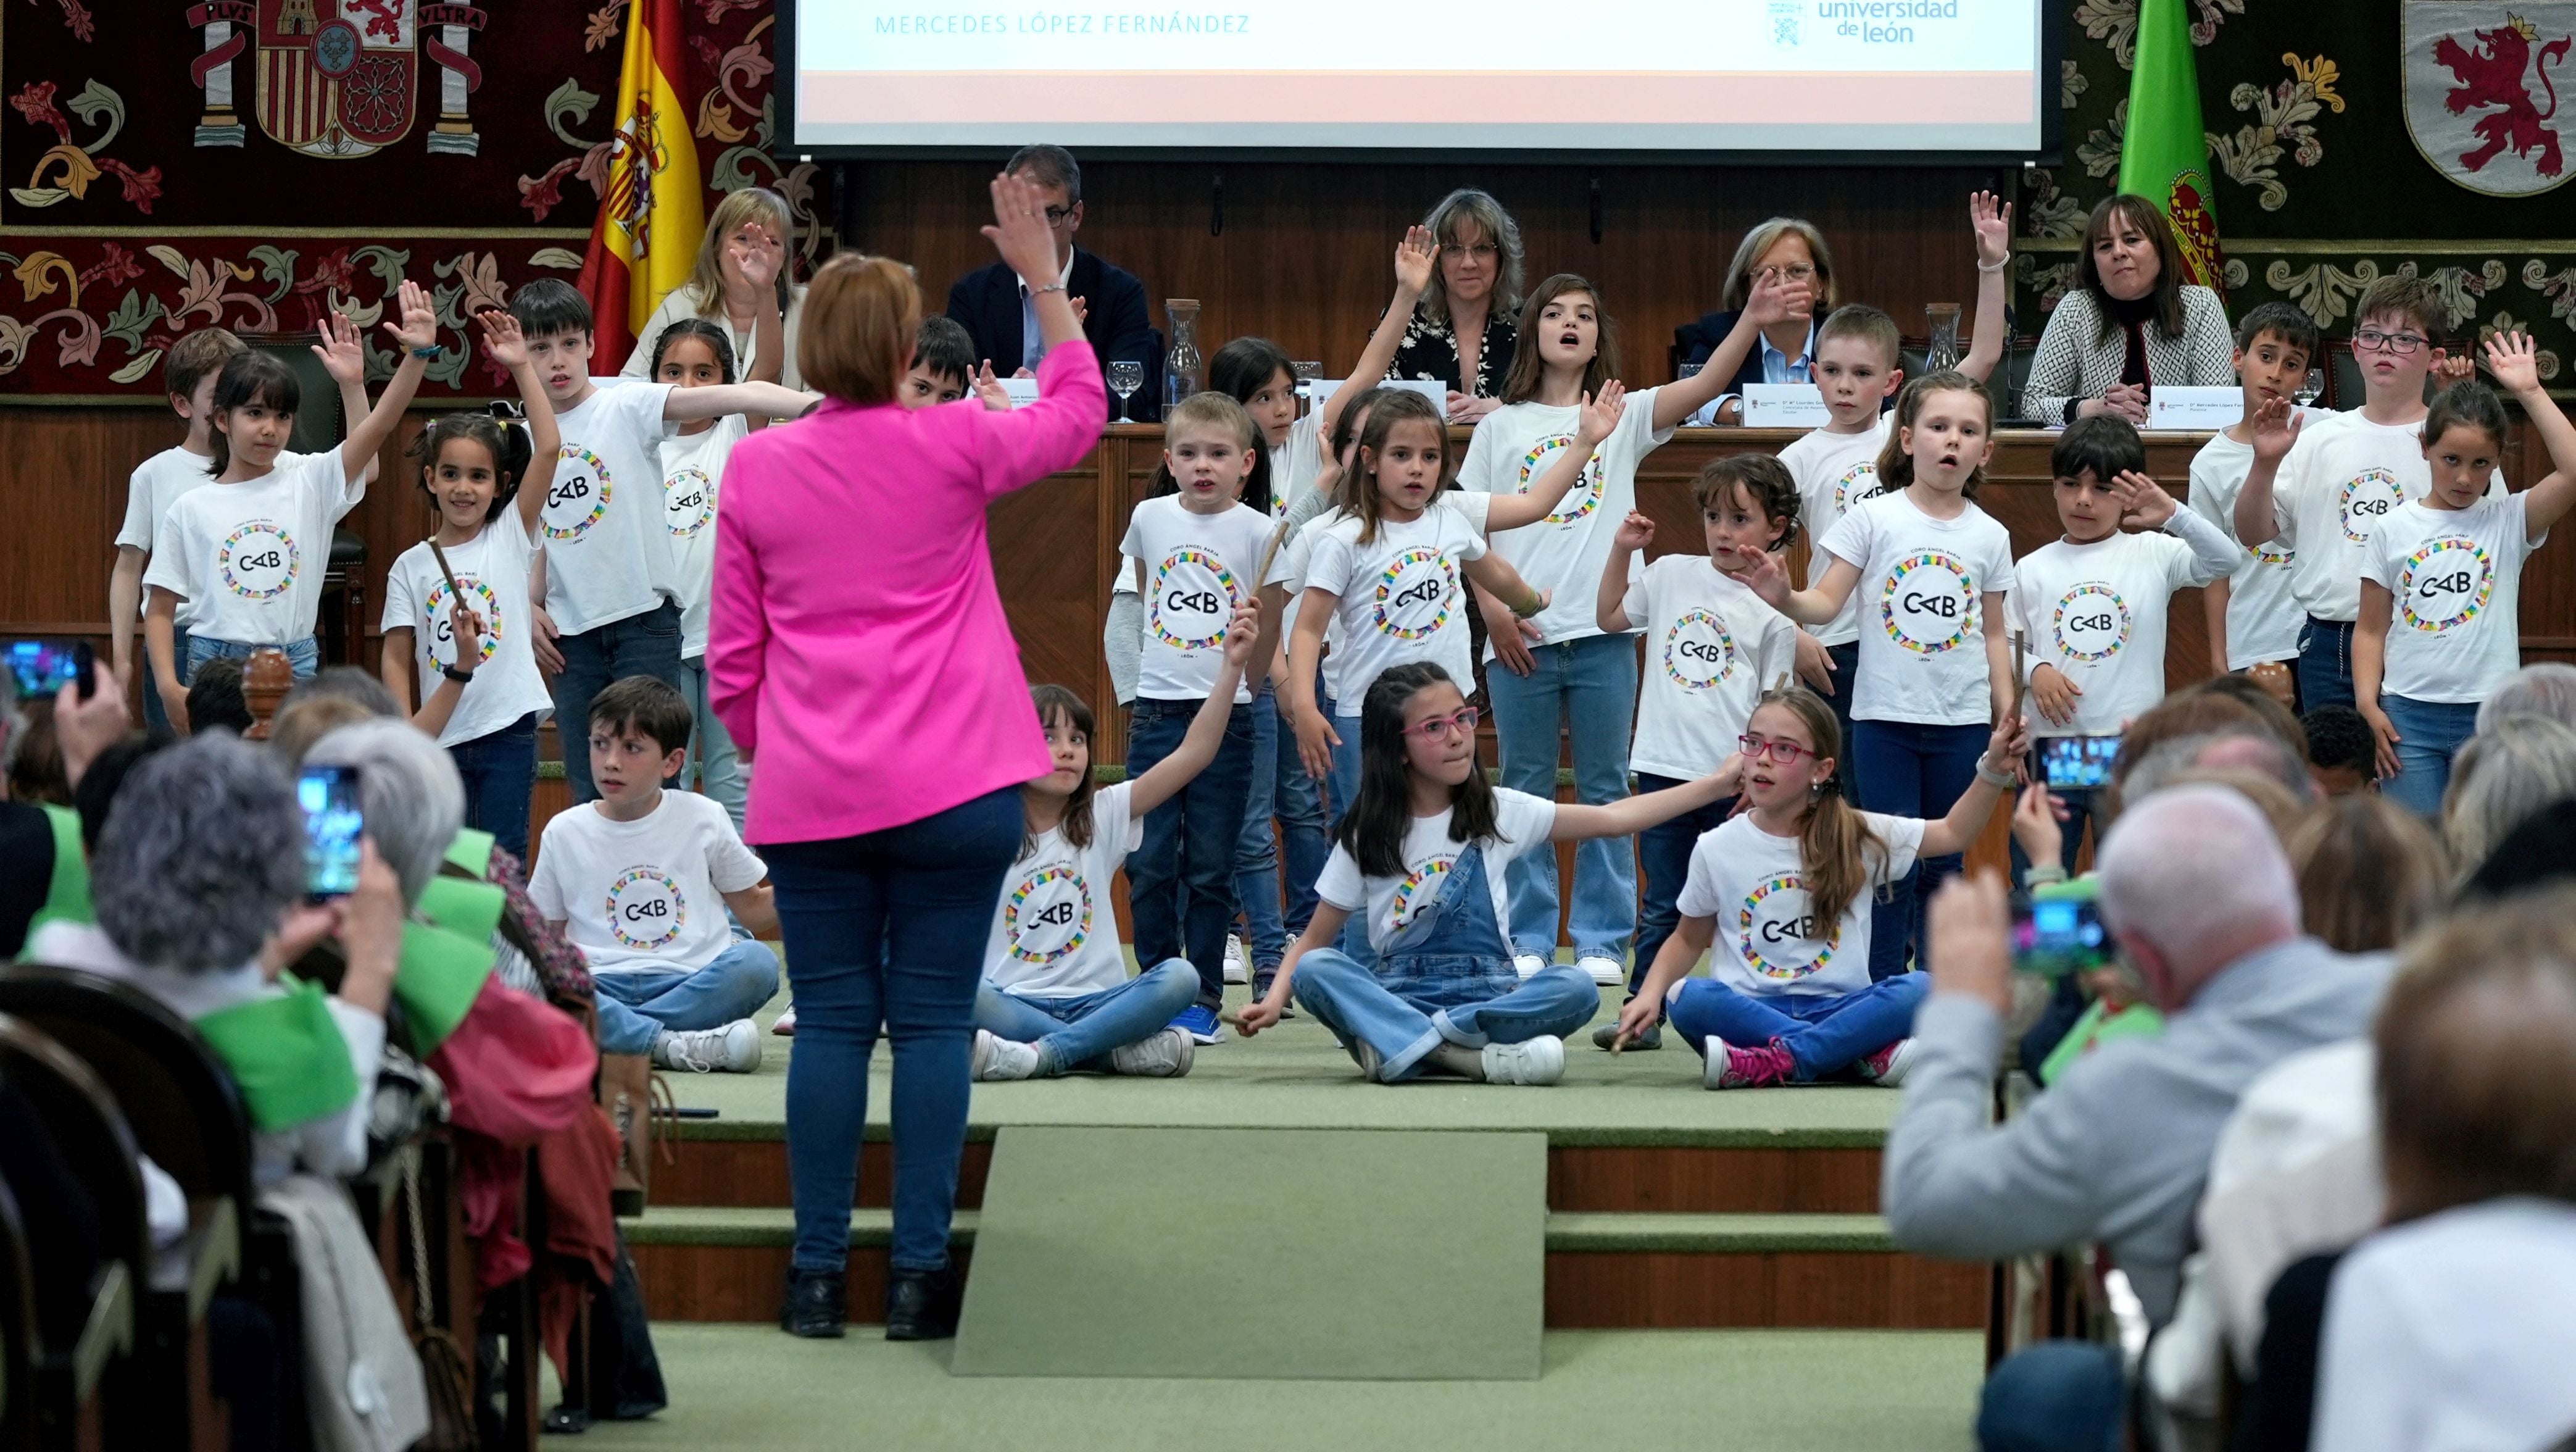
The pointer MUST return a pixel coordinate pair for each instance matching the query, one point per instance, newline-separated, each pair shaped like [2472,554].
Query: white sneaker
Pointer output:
[1235,972]
[785,1028]
[1534,1061]
[999,1058]
[1608,972]
[1888,1067]
[1527,964]
[1165,1055]
[732,1049]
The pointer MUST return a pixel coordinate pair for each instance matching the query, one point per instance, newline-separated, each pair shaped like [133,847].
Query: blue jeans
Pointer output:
[1663,855]
[156,717]
[2056,1396]
[303,656]
[1280,788]
[636,1005]
[500,772]
[639,645]
[2429,734]
[2079,811]
[721,774]
[1345,785]
[2325,663]
[1077,1032]
[1590,687]
[1846,659]
[1823,1033]
[1911,769]
[1180,883]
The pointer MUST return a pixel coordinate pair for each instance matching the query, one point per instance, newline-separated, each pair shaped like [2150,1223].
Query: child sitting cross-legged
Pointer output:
[1056,996]
[1789,999]
[1420,855]
[640,880]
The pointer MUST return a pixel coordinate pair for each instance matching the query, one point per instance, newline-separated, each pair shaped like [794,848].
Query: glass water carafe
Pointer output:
[1943,350]
[1183,372]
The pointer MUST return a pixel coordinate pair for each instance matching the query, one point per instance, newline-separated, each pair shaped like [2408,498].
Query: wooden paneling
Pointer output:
[1681,1180]
[747,1282]
[1833,1289]
[750,1172]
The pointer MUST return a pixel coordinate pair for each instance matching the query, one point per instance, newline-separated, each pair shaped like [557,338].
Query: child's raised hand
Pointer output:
[339,351]
[1765,575]
[1775,299]
[2144,504]
[2276,428]
[1240,629]
[2054,694]
[2515,361]
[1414,258]
[1635,532]
[418,327]
[2448,370]
[1991,220]
[1598,418]
[503,342]
[989,390]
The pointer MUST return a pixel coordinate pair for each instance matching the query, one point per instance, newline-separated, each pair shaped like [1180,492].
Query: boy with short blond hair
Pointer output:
[2253,616]
[1836,466]
[2321,489]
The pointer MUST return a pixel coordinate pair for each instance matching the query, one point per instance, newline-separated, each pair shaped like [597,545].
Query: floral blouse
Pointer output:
[1430,350]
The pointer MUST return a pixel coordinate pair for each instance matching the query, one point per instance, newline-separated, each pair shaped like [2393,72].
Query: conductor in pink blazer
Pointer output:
[859,652]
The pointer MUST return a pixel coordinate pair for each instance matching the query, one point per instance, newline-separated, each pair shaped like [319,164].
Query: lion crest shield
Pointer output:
[2484,80]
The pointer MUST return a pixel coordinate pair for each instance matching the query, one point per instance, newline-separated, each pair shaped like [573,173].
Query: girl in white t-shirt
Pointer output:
[488,480]
[1789,998]
[1560,670]
[695,353]
[1935,668]
[1056,996]
[248,553]
[1418,861]
[2447,568]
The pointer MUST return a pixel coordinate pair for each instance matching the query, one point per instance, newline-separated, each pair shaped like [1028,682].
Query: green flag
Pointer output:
[2163,155]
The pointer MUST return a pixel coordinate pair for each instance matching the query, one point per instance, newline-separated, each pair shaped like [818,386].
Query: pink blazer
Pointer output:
[857,647]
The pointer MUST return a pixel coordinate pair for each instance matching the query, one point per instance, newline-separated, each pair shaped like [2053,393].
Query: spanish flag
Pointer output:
[646,239]
[2164,156]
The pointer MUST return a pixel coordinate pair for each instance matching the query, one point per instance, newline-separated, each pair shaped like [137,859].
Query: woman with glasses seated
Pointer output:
[1793,250]
[2130,322]
[1465,326]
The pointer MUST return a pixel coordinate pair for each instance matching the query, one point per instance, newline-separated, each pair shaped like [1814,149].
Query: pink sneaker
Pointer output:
[1733,1068]
[1888,1067]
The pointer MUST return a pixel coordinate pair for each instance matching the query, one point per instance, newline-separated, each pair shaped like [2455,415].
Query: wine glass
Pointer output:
[1125,377]
[2310,387]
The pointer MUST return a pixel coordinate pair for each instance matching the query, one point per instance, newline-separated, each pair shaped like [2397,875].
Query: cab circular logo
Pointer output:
[439,629]
[1856,482]
[259,560]
[2091,622]
[1414,587]
[688,501]
[580,497]
[645,909]
[1048,902]
[1698,651]
[1194,594]
[1929,604]
[2446,584]
[2367,498]
[1771,919]
[1580,500]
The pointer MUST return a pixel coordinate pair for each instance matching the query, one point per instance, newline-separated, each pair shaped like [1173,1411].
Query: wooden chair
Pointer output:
[91,1393]
[187,1115]
[21,1427]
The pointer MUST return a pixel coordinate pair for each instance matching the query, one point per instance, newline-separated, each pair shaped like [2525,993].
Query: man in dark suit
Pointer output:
[994,306]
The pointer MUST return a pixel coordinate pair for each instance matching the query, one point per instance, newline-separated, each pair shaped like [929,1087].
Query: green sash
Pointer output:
[287,1054]
[472,850]
[67,895]
[440,973]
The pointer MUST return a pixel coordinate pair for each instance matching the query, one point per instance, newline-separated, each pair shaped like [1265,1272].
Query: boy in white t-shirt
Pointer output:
[612,588]
[1836,467]
[641,879]
[2336,479]
[188,381]
[2254,618]
[2441,586]
[2090,605]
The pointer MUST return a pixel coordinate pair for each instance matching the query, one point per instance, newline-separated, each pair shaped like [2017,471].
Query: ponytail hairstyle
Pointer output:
[705,332]
[1834,841]
[249,377]
[1389,408]
[1058,706]
[2467,403]
[1520,383]
[505,442]
[1216,410]
[1895,465]
[1372,831]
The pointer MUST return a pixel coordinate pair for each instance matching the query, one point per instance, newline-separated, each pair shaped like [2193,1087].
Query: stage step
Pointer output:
[1604,1271]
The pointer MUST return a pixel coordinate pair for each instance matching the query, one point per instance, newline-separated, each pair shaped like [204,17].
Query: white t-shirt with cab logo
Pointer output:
[1712,648]
[1521,824]
[1402,598]
[2341,480]
[1922,585]
[1835,472]
[2454,577]
[1512,449]
[248,558]
[1767,942]
[1198,570]
[492,569]
[2097,612]
[646,894]
[608,551]
[1055,934]
[692,475]
[2263,615]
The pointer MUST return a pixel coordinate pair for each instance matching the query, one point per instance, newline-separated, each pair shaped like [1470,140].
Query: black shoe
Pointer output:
[817,1304]
[922,1305]
[1652,1037]
[1262,979]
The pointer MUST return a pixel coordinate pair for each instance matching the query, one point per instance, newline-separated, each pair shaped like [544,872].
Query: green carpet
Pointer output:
[1106,1253]
[748,1387]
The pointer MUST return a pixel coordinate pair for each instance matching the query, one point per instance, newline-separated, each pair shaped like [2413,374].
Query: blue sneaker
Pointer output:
[1199,1022]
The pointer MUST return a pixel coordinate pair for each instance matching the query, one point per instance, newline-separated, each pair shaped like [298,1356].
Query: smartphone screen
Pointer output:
[333,823]
[2055,936]
[2077,763]
[44,667]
